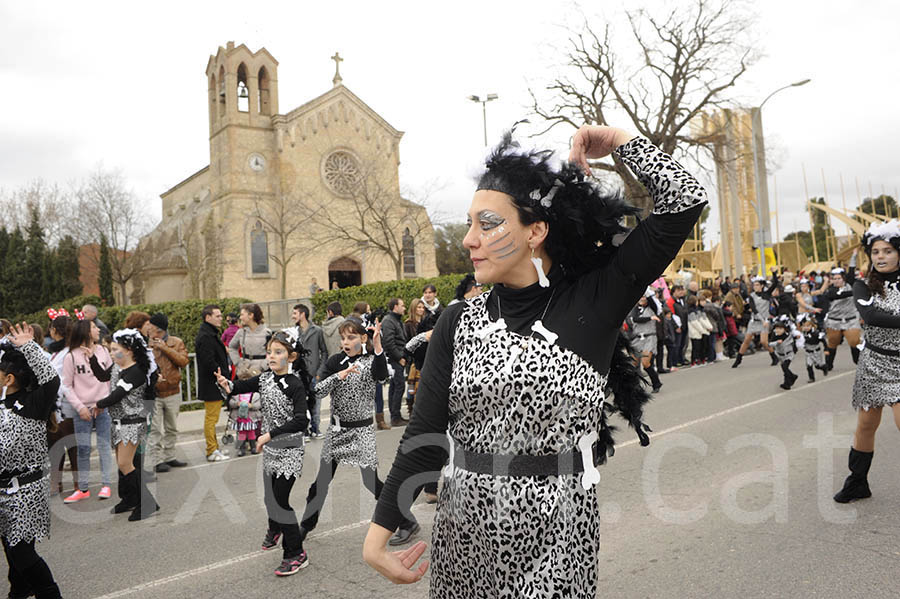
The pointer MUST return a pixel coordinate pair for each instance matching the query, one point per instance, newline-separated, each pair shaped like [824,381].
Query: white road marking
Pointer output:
[340,529]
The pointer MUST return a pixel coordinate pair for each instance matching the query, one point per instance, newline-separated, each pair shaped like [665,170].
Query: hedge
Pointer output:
[184,316]
[379,294]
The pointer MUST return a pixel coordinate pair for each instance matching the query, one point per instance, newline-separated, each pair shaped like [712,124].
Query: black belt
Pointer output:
[498,464]
[131,420]
[840,319]
[352,423]
[883,351]
[262,357]
[11,484]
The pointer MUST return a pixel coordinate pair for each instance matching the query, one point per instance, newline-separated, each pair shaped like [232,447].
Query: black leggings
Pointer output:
[28,572]
[282,518]
[318,491]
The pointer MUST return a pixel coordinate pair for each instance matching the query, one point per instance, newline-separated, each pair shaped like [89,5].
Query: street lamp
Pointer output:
[484,102]
[756,133]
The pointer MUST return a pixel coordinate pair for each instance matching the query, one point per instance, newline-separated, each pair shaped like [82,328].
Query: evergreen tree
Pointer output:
[30,291]
[4,243]
[105,280]
[14,274]
[49,280]
[68,268]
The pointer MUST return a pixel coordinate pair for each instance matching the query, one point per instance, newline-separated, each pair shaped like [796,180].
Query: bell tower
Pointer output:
[242,98]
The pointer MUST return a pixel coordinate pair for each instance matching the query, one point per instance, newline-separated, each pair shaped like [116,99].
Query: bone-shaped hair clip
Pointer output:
[539,328]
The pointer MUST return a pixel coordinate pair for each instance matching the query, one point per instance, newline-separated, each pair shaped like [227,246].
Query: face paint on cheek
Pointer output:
[357,347]
[119,355]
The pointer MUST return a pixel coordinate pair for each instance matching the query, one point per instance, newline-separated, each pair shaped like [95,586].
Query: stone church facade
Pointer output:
[286,197]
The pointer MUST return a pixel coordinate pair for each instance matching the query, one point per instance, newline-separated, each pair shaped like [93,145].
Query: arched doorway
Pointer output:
[346,271]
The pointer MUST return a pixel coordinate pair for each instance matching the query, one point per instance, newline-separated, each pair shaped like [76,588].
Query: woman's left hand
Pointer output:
[596,141]
[262,440]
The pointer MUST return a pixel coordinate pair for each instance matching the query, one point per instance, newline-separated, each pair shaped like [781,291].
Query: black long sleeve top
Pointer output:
[293,388]
[586,313]
[870,314]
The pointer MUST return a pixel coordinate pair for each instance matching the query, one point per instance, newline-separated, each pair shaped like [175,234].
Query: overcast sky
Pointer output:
[106,82]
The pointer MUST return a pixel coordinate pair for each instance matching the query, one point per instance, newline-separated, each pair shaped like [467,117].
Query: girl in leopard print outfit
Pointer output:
[287,397]
[350,377]
[877,381]
[132,377]
[515,379]
[30,384]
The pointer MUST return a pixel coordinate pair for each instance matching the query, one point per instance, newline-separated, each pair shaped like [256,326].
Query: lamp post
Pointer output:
[756,132]
[484,102]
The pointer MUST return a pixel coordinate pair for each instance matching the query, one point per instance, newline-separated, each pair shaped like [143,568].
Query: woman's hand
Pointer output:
[85,413]
[88,351]
[20,334]
[95,412]
[343,374]
[262,440]
[222,381]
[596,141]
[396,566]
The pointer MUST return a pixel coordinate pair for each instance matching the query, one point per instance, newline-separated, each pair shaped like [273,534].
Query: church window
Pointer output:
[221,91]
[409,253]
[263,81]
[259,250]
[341,172]
[243,92]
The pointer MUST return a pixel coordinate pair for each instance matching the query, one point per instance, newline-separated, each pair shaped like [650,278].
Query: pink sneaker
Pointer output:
[104,493]
[77,496]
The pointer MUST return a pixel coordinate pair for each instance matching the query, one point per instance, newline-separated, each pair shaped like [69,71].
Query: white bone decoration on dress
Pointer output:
[450,468]
[499,325]
[17,405]
[514,354]
[539,328]
[591,475]
[336,427]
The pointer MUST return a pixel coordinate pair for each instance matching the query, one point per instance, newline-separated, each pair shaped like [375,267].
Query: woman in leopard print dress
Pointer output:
[515,379]
[30,384]
[877,381]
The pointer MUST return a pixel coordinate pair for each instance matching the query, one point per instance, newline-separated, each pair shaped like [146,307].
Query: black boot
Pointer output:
[854,352]
[654,378]
[127,491]
[42,584]
[737,361]
[810,371]
[856,486]
[774,358]
[789,377]
[146,504]
[829,358]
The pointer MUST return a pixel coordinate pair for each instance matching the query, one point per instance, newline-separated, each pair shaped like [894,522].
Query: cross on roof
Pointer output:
[337,69]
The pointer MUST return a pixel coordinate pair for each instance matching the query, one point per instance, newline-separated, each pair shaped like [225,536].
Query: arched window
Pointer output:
[213,98]
[243,92]
[263,82]
[259,250]
[221,91]
[409,253]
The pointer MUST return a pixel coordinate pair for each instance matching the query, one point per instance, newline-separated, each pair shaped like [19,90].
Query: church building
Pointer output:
[286,197]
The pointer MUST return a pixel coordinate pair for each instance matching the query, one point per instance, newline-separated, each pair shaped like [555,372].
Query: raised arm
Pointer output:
[128,380]
[102,374]
[865,305]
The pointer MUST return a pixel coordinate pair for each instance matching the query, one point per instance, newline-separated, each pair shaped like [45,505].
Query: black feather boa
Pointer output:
[629,392]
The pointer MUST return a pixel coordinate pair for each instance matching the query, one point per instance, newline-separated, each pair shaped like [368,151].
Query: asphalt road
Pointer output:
[732,499]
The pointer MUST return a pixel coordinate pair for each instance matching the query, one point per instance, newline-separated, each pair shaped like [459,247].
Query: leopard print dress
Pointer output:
[277,409]
[539,403]
[133,405]
[877,380]
[25,512]
[351,399]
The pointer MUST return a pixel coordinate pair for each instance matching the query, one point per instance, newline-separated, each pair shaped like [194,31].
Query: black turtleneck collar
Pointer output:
[56,346]
[891,276]
[522,303]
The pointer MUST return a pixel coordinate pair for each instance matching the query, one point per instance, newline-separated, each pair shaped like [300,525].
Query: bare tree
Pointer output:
[54,206]
[284,217]
[198,243]
[374,214]
[106,206]
[686,62]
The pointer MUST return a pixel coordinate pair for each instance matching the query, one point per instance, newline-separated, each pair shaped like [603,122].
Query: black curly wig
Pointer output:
[582,217]
[879,232]
[12,361]
[135,343]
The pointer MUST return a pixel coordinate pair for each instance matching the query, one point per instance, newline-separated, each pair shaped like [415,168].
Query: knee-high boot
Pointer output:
[42,583]
[857,485]
[654,378]
[146,504]
[854,352]
[127,492]
[812,374]
[789,377]
[737,361]
[830,354]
